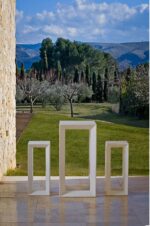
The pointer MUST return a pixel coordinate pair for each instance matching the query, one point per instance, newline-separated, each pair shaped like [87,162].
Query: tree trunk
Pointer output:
[31,108]
[71,108]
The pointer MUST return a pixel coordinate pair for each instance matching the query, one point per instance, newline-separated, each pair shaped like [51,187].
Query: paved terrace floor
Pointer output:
[17,208]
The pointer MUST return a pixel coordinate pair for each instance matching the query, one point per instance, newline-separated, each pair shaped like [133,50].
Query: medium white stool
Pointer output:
[125,147]
[76,125]
[31,146]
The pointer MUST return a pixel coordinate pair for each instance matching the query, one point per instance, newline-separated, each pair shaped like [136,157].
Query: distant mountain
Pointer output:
[27,54]
[126,54]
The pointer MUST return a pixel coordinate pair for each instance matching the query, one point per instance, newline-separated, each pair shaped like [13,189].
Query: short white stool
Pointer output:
[75,125]
[125,147]
[31,146]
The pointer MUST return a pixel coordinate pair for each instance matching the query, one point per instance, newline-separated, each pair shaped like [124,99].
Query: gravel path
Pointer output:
[22,120]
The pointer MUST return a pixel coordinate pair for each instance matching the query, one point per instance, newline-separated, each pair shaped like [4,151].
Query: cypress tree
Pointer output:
[116,75]
[99,89]
[17,71]
[82,77]
[94,82]
[87,75]
[106,85]
[59,71]
[45,60]
[22,71]
[128,74]
[76,76]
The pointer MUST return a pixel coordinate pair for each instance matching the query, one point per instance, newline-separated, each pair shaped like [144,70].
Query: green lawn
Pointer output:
[45,126]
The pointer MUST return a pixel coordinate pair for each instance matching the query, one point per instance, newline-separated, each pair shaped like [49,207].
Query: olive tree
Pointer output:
[55,95]
[74,92]
[19,94]
[32,89]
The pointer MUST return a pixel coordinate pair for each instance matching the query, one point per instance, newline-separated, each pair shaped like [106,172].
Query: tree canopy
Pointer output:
[67,57]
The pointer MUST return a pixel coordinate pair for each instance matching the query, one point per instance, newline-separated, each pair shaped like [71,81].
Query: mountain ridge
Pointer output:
[126,54]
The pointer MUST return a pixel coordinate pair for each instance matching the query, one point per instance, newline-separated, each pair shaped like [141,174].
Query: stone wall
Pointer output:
[7,86]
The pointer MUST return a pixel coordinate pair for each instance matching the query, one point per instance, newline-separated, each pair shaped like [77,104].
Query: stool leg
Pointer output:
[30,168]
[92,157]
[107,169]
[61,161]
[47,159]
[125,169]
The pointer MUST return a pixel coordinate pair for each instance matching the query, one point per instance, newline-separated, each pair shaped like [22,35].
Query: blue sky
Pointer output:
[82,20]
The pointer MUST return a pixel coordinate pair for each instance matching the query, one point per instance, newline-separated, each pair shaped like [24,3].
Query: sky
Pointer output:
[107,21]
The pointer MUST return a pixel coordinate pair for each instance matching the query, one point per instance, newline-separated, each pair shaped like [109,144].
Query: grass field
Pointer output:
[45,124]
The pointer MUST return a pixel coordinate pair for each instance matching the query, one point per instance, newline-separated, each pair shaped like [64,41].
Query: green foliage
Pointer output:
[71,56]
[113,94]
[46,54]
[135,92]
[55,95]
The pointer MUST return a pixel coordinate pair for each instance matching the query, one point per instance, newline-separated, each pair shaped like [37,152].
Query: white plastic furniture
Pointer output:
[125,147]
[31,146]
[73,125]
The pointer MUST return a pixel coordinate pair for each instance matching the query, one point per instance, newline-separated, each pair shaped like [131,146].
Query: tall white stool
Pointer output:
[76,125]
[31,146]
[125,147]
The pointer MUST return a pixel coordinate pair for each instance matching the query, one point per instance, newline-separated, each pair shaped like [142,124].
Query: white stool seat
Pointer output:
[125,147]
[83,125]
[31,146]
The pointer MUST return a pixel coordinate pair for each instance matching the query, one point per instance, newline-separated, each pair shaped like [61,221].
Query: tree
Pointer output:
[128,74]
[59,71]
[106,85]
[17,71]
[22,72]
[82,77]
[19,94]
[115,76]
[71,55]
[46,54]
[32,89]
[99,89]
[87,75]
[55,95]
[135,92]
[114,94]
[94,84]
[76,76]
[135,99]
[76,92]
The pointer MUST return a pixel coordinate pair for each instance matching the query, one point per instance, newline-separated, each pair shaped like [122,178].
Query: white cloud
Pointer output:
[30,29]
[101,19]
[53,30]
[45,15]
[143,7]
[121,12]
[72,31]
[82,20]
[19,16]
